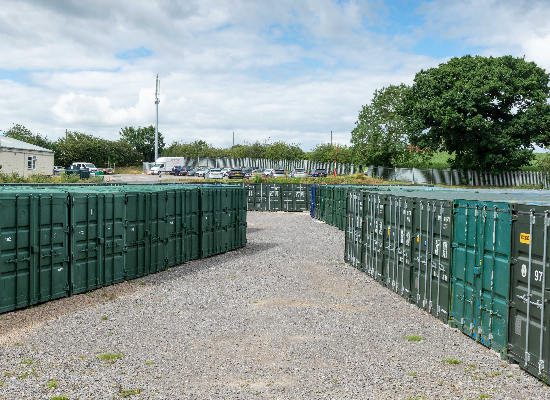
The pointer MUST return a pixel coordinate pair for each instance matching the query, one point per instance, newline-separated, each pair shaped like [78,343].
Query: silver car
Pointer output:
[214,173]
[298,173]
[278,173]
[201,171]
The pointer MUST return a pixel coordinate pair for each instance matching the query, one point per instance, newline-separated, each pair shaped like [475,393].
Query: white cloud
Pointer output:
[230,65]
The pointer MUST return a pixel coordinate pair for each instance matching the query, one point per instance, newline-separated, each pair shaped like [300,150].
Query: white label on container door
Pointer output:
[8,239]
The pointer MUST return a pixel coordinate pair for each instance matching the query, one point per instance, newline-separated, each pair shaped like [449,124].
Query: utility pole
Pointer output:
[233,139]
[331,138]
[157,101]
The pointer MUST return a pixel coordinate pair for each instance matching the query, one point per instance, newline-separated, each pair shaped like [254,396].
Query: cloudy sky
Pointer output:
[278,70]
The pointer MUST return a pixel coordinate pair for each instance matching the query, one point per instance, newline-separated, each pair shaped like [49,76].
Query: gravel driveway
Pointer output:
[283,318]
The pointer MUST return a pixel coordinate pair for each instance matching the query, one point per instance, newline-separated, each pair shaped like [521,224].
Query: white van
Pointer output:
[164,165]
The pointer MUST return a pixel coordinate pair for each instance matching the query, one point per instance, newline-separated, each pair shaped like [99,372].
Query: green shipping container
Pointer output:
[34,246]
[529,322]
[97,238]
[481,271]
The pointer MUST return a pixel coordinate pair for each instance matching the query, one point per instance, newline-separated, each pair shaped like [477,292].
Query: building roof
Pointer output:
[9,143]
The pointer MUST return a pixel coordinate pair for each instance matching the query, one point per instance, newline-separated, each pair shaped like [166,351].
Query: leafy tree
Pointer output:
[19,132]
[198,148]
[143,140]
[380,136]
[284,151]
[77,146]
[487,111]
[326,152]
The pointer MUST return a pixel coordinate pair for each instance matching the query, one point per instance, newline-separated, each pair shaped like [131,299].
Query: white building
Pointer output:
[23,158]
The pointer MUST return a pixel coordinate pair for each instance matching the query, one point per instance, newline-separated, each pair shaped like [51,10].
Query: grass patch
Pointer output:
[52,384]
[104,318]
[483,396]
[415,338]
[149,362]
[412,374]
[110,357]
[24,375]
[27,361]
[451,361]
[143,283]
[124,393]
[60,398]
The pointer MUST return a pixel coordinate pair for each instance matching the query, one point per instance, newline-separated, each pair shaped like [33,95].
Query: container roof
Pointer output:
[9,143]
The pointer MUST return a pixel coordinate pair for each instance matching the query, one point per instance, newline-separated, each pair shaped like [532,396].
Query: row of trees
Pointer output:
[486,112]
[136,145]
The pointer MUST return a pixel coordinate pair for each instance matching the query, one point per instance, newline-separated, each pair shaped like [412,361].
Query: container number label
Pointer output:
[524,238]
[538,275]
[524,270]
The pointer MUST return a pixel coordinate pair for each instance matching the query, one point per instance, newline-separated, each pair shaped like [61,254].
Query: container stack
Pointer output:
[58,241]
[475,259]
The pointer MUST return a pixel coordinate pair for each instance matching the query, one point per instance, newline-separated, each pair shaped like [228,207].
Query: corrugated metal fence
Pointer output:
[456,177]
[341,169]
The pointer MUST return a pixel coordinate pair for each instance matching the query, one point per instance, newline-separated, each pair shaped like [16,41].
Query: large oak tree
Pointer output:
[487,111]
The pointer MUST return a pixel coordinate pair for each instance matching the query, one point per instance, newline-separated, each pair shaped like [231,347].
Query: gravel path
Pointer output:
[283,318]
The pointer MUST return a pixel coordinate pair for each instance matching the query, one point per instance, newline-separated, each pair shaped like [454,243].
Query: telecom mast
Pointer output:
[157,101]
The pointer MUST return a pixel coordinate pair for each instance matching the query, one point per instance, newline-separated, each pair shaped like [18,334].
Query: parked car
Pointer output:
[185,170]
[214,173]
[278,173]
[225,171]
[235,173]
[298,173]
[318,173]
[247,171]
[192,171]
[201,171]
[268,173]
[256,172]
[58,169]
[82,165]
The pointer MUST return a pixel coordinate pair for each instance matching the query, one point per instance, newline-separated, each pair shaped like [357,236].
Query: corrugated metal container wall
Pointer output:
[529,322]
[481,271]
[401,231]
[34,246]
[433,221]
[97,238]
[353,244]
[312,201]
[375,235]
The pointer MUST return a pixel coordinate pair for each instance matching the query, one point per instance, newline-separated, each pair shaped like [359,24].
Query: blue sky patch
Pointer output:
[131,54]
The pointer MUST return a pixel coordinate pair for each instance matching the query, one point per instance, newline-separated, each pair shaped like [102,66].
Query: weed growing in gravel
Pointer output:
[483,396]
[35,374]
[27,361]
[24,375]
[8,374]
[509,376]
[1,383]
[143,283]
[105,318]
[18,344]
[415,338]
[412,374]
[451,361]
[149,362]
[492,375]
[110,357]
[60,398]
[124,393]
[52,384]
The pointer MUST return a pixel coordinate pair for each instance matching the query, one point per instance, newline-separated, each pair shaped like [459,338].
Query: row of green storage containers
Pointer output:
[472,258]
[60,241]
[291,197]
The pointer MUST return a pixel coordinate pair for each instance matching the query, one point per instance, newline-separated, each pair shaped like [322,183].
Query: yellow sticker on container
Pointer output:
[388,231]
[524,238]
[417,239]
